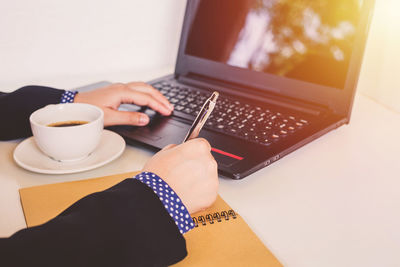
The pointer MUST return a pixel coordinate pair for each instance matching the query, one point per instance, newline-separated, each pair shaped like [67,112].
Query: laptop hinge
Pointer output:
[253,94]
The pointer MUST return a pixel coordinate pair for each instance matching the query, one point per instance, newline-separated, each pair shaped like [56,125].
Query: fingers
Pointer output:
[213,163]
[115,117]
[201,144]
[144,99]
[148,89]
[196,148]
[112,96]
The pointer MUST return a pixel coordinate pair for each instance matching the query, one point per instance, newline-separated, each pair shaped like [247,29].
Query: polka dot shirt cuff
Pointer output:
[170,200]
[68,97]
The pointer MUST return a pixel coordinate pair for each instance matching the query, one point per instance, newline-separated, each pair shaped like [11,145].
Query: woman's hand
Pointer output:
[109,98]
[190,170]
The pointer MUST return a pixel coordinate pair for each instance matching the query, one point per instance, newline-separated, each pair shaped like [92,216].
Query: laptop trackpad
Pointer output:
[223,148]
[162,131]
[224,160]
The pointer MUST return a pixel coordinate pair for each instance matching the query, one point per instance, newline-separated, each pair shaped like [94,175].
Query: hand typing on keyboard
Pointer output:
[112,97]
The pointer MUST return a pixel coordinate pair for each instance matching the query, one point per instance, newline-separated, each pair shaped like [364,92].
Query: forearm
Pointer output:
[16,107]
[126,225]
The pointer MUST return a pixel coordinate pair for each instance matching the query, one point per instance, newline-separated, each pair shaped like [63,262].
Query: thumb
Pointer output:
[116,117]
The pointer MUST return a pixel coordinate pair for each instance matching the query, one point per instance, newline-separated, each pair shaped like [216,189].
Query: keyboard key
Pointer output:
[173,100]
[244,134]
[188,110]
[233,131]
[266,142]
[275,137]
[179,107]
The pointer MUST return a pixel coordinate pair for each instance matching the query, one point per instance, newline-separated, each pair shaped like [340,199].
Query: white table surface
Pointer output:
[334,202]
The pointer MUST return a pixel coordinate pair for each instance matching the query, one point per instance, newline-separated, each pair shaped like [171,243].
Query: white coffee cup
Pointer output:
[68,143]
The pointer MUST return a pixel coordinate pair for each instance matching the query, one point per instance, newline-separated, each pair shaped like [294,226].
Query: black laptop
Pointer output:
[286,72]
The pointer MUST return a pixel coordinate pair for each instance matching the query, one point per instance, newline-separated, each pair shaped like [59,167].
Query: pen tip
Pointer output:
[214,96]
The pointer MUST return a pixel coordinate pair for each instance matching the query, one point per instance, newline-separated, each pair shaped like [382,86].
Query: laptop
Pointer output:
[286,72]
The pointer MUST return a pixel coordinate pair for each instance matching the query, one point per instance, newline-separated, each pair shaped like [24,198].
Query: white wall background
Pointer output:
[380,75]
[45,42]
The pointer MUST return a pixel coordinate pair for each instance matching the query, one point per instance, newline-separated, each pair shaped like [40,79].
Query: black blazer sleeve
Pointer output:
[16,107]
[126,225]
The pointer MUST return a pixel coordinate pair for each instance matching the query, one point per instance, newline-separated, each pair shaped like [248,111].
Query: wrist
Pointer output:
[171,201]
[68,97]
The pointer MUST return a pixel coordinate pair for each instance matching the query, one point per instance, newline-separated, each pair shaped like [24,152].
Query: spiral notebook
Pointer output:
[221,237]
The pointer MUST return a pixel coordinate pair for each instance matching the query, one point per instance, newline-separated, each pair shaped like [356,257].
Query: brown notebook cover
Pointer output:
[221,239]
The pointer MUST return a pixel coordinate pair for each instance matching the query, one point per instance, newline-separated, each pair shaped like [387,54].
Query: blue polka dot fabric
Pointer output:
[170,200]
[68,97]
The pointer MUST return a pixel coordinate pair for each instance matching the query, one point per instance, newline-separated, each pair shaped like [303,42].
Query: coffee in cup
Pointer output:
[66,123]
[67,132]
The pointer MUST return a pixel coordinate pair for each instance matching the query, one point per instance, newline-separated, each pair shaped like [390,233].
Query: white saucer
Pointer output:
[28,156]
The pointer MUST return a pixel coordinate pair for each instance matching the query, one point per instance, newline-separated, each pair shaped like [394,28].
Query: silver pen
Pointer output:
[202,117]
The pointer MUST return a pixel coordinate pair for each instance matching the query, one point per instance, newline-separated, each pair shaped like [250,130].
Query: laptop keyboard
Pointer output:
[250,122]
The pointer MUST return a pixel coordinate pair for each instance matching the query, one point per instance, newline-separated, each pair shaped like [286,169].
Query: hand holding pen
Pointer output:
[192,160]
[202,117]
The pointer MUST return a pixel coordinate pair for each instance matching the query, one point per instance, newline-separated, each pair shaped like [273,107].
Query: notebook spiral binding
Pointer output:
[211,218]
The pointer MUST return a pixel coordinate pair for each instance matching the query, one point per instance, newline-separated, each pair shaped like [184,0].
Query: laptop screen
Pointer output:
[311,41]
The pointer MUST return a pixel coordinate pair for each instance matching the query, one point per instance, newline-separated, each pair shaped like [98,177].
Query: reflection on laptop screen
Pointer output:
[305,40]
